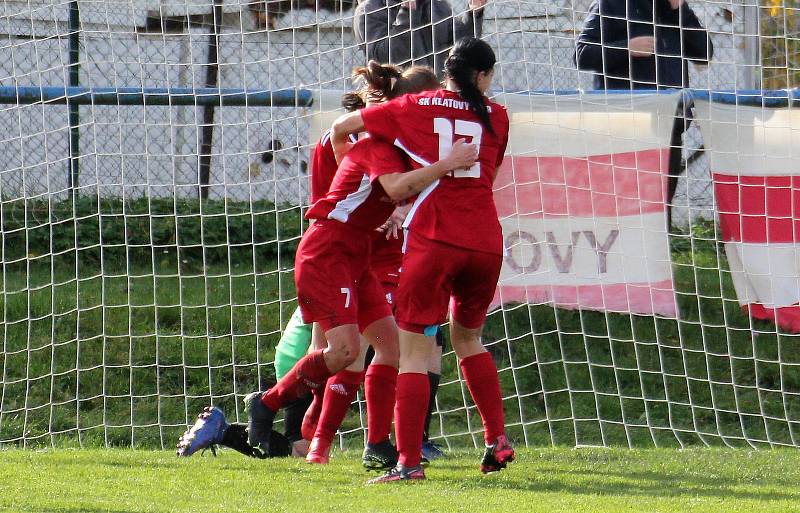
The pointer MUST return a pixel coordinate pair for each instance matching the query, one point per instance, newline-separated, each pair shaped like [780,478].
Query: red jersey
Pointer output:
[459,208]
[355,197]
[323,167]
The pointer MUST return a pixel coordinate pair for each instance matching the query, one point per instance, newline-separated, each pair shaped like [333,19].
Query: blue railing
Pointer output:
[172,96]
[182,96]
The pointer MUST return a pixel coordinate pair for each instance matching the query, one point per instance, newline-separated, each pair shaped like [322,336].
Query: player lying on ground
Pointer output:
[454,248]
[335,286]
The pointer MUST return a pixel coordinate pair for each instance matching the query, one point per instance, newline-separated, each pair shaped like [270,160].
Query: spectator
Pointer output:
[419,32]
[641,44]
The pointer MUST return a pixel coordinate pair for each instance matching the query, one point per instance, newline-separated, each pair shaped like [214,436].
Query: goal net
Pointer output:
[649,292]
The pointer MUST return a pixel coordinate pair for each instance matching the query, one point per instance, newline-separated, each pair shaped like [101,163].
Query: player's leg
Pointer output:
[377,325]
[421,306]
[325,286]
[380,388]
[380,330]
[473,290]
[340,391]
[381,380]
[431,450]
[313,412]
[292,346]
[310,372]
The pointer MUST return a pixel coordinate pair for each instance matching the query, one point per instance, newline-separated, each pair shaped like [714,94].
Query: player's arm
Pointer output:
[380,121]
[351,123]
[399,186]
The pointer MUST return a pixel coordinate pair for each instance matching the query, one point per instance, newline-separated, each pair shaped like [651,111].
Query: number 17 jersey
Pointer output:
[457,209]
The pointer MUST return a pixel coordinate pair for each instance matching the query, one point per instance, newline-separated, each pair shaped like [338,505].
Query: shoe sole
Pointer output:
[188,444]
[406,480]
[499,465]
[374,465]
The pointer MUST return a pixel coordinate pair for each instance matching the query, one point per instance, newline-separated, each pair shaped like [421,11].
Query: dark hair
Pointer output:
[381,82]
[415,80]
[468,57]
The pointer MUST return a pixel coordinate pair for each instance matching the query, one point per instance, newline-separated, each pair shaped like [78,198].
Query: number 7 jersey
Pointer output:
[457,209]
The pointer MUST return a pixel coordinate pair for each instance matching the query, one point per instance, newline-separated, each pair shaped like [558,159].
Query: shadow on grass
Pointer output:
[616,483]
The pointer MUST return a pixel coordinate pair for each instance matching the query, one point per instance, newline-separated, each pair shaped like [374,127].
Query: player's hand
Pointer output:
[409,4]
[676,4]
[462,155]
[477,5]
[394,224]
[642,46]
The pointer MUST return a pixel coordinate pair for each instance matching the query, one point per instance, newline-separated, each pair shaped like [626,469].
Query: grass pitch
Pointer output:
[551,480]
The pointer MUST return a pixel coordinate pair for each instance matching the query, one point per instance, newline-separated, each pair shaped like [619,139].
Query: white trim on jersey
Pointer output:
[414,156]
[422,195]
[353,200]
[327,135]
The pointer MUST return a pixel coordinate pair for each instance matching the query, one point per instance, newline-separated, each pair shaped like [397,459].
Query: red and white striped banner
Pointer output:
[753,153]
[581,198]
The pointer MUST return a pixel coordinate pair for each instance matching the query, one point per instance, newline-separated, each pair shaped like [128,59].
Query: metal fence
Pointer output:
[259,153]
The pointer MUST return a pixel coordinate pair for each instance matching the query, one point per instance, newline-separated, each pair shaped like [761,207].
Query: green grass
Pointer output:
[547,480]
[124,348]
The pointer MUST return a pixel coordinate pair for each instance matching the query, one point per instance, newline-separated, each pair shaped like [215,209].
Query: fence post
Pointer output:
[74,112]
[752,46]
[212,72]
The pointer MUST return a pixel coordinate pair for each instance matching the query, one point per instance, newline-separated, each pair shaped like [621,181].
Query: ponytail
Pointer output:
[352,102]
[383,82]
[469,57]
[378,81]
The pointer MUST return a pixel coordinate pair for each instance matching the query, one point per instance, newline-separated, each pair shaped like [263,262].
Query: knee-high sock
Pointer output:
[480,373]
[308,373]
[311,418]
[433,384]
[379,389]
[409,415]
[339,394]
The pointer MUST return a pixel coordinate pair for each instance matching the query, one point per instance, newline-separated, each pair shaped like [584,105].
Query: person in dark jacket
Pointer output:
[641,44]
[419,32]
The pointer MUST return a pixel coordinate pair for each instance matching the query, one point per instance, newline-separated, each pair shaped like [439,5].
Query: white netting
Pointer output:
[128,304]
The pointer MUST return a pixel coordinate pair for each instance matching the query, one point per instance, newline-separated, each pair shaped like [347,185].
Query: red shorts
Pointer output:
[436,275]
[390,291]
[386,258]
[335,285]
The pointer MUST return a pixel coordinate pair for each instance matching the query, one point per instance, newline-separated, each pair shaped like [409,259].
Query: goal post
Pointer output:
[128,302]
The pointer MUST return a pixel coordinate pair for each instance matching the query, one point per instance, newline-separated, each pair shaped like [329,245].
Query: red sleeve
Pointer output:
[385,159]
[323,169]
[381,120]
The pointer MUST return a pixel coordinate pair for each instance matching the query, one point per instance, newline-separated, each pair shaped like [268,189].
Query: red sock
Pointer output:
[379,389]
[308,373]
[311,418]
[413,394]
[339,394]
[480,373]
